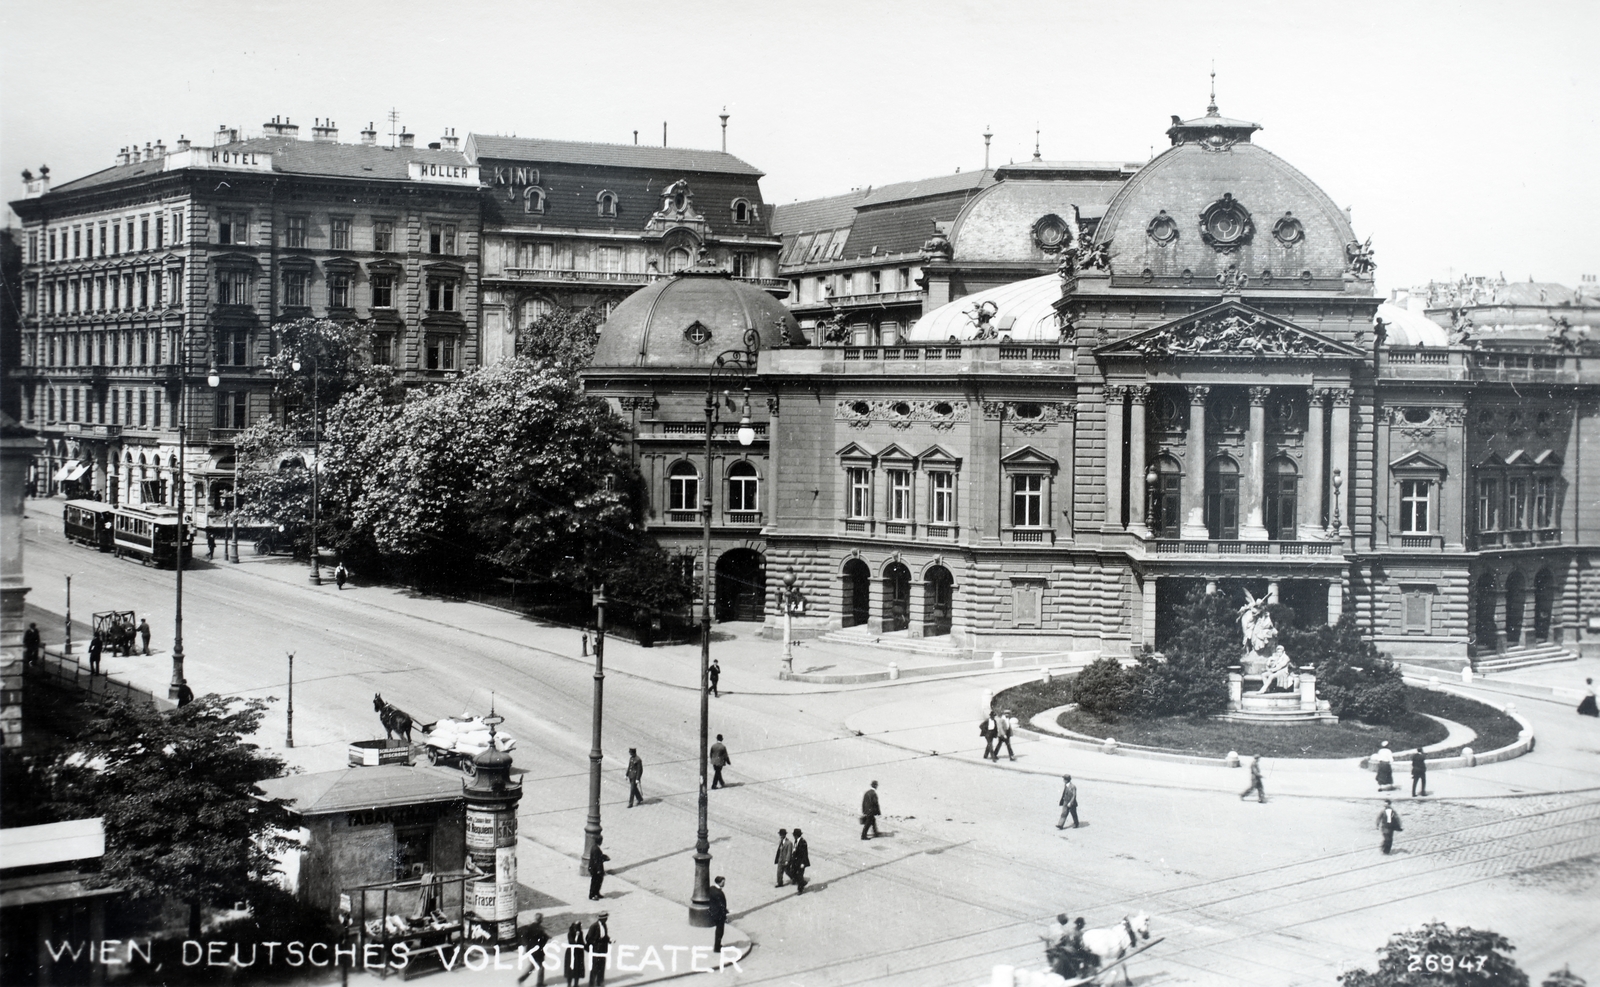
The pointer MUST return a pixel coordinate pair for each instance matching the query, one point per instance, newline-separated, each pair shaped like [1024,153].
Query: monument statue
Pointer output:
[1262,649]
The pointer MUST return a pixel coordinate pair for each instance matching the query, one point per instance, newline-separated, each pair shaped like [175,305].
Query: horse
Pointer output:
[396,721]
[1114,943]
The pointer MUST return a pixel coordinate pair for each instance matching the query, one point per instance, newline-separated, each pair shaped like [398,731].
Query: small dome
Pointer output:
[1027,219]
[1022,310]
[1408,328]
[685,321]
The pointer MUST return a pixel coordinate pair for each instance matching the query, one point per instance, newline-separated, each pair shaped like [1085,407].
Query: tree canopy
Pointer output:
[563,336]
[1438,956]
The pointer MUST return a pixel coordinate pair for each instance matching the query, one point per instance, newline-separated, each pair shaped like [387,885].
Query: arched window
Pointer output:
[1222,498]
[743,487]
[607,201]
[1282,486]
[683,487]
[678,259]
[742,211]
[1166,520]
[533,199]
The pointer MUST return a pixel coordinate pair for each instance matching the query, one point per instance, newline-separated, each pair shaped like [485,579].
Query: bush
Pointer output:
[1178,686]
[1352,675]
[1418,958]
[1104,690]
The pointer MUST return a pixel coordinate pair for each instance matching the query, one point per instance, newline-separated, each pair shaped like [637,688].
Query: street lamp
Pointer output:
[175,686]
[316,465]
[1338,481]
[729,364]
[591,826]
[1151,497]
[789,601]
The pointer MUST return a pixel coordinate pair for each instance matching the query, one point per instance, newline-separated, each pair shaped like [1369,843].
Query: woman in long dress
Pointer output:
[572,955]
[1385,762]
[1587,706]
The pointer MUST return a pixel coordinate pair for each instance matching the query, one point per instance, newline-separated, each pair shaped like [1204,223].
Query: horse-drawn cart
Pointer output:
[116,631]
[455,740]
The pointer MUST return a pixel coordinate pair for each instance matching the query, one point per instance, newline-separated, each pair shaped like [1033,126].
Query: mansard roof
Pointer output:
[1230,330]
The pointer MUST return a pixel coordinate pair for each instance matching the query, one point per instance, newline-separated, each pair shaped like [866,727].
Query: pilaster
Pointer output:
[1252,528]
[1194,470]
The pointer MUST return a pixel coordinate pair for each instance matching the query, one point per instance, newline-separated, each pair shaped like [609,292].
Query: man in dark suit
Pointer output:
[989,729]
[599,942]
[1419,773]
[597,870]
[534,937]
[717,755]
[1068,802]
[635,775]
[1389,824]
[869,812]
[799,860]
[719,912]
[714,675]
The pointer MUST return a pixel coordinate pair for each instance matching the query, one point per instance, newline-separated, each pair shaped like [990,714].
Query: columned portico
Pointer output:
[1255,468]
[1194,470]
[1138,496]
[1316,484]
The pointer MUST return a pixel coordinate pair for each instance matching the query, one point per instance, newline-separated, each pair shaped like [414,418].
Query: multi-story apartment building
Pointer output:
[141,279]
[581,225]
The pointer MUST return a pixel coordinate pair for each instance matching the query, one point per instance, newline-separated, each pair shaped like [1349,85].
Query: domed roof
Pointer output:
[685,321]
[1022,310]
[1025,218]
[1214,200]
[1408,328]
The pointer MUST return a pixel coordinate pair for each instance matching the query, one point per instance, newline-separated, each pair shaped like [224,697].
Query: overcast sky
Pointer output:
[1463,135]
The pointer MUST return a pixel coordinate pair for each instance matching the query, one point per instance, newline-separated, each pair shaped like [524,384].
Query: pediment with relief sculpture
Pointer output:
[1230,330]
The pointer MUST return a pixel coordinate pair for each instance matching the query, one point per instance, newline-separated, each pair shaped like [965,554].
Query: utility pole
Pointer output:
[288,739]
[68,649]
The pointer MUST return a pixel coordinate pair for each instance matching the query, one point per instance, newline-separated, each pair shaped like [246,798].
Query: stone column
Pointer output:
[1340,455]
[1255,468]
[1138,495]
[877,603]
[1316,485]
[17,448]
[1194,471]
[1114,439]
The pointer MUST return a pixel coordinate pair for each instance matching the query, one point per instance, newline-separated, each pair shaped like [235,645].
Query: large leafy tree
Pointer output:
[564,336]
[1438,956]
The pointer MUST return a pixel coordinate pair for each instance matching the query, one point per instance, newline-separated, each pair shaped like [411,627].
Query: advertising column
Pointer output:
[492,799]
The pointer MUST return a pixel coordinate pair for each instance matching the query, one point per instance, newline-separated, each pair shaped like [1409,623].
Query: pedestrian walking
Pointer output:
[185,694]
[635,775]
[599,943]
[1255,781]
[1003,730]
[31,644]
[534,938]
[1384,759]
[989,730]
[1586,706]
[572,966]
[1068,803]
[713,674]
[799,860]
[144,635]
[1419,774]
[211,545]
[1388,824]
[340,576]
[97,644]
[719,760]
[781,858]
[869,812]
[719,912]
[597,869]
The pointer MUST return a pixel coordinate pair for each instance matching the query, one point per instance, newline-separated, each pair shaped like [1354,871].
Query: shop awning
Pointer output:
[71,470]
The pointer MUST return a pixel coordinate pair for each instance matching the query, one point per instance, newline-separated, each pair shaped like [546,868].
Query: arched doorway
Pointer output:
[1516,600]
[1544,594]
[1222,499]
[938,599]
[896,597]
[1487,628]
[741,585]
[1166,518]
[856,583]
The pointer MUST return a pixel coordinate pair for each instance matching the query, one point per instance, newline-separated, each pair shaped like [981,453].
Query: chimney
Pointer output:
[183,144]
[280,128]
[147,151]
[122,155]
[324,132]
[450,141]
[161,149]
[225,135]
[369,136]
[407,139]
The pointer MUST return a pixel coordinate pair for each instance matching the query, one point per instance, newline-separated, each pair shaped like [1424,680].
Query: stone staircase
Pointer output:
[943,646]
[1525,657]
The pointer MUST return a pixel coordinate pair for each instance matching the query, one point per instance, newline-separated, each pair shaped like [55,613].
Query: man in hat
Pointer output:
[870,812]
[30,644]
[1003,727]
[1068,803]
[719,912]
[1388,824]
[144,635]
[714,675]
[781,858]
[718,756]
[799,860]
[534,938]
[597,869]
[635,773]
[1255,781]
[599,942]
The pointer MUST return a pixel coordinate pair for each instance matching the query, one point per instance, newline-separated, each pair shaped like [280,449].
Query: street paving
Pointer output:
[970,867]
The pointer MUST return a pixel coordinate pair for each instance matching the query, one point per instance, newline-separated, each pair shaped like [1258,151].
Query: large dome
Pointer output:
[687,320]
[1214,201]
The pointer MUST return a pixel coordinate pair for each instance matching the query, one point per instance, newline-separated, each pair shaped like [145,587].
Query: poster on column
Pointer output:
[505,875]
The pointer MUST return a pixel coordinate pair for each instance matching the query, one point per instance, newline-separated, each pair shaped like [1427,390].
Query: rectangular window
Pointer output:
[1516,504]
[441,295]
[161,232]
[1027,500]
[232,408]
[1544,490]
[177,226]
[436,239]
[383,291]
[227,225]
[1415,496]
[683,488]
[849,281]
[339,233]
[1488,505]
[160,288]
[144,348]
[294,288]
[899,495]
[144,408]
[100,291]
[860,479]
[77,242]
[103,234]
[441,353]
[144,234]
[449,239]
[233,288]
[52,246]
[383,235]
[116,238]
[942,491]
[877,282]
[338,291]
[383,348]
[144,291]
[294,231]
[608,259]
[744,265]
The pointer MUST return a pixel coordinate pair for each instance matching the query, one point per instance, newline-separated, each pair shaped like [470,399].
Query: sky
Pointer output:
[1462,135]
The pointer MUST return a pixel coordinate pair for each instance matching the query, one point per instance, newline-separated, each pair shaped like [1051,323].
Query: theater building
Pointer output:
[140,279]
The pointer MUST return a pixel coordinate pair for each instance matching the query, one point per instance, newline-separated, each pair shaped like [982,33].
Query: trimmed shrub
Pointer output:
[1104,690]
[1352,674]
[1178,686]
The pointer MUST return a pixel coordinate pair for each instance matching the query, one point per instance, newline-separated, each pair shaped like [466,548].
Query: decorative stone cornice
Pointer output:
[1259,396]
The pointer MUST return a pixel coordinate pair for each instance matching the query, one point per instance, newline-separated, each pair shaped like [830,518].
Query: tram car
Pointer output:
[88,522]
[151,535]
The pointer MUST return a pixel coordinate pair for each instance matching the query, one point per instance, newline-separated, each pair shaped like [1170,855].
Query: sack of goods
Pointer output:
[467,734]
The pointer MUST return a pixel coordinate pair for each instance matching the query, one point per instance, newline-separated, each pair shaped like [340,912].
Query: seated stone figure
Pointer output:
[1279,672]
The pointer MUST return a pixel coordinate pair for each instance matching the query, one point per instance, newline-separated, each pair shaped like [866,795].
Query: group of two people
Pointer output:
[996,732]
[581,953]
[792,859]
[1064,948]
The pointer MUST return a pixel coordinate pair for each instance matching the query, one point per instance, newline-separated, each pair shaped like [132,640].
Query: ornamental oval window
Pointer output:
[1050,233]
[1288,230]
[1163,229]
[697,333]
[861,408]
[944,408]
[1028,410]
[1226,224]
[901,408]
[1418,416]
[1486,421]
[1168,413]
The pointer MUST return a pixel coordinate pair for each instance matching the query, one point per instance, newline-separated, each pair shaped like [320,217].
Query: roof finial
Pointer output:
[1211,108]
[1036,145]
[987,136]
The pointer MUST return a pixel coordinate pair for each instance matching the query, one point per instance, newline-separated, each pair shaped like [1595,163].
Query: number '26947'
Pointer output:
[1445,963]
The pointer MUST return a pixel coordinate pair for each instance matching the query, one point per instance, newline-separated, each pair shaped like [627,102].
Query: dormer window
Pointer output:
[607,202]
[533,199]
[743,211]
